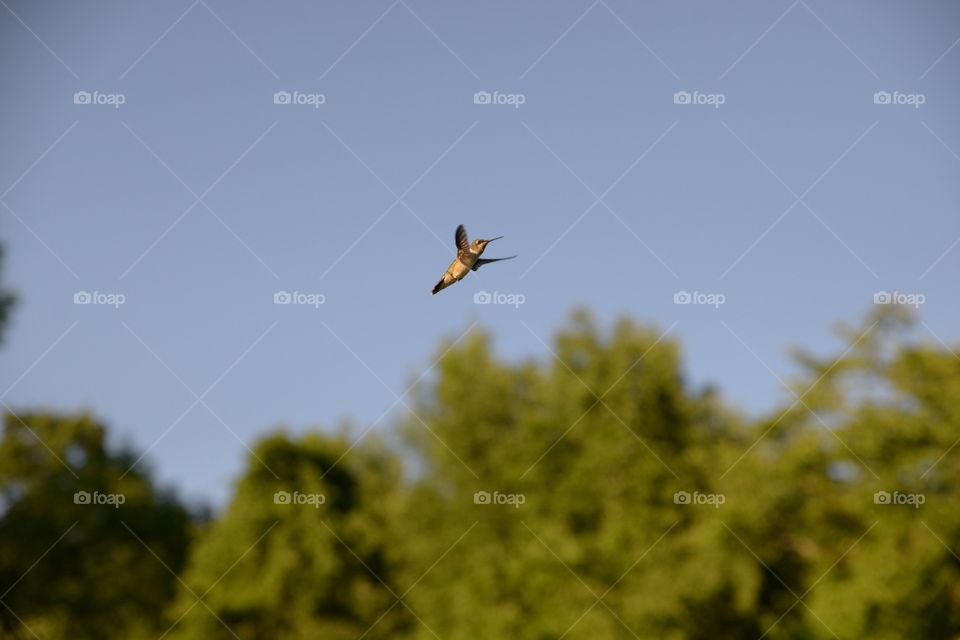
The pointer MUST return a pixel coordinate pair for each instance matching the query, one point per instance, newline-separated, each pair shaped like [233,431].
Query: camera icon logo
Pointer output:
[482,297]
[281,97]
[881,497]
[681,497]
[81,97]
[282,297]
[882,297]
[681,97]
[481,497]
[81,497]
[82,297]
[281,497]
[482,97]
[682,297]
[882,97]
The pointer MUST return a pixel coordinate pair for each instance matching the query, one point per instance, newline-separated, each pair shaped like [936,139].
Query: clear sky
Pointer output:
[784,184]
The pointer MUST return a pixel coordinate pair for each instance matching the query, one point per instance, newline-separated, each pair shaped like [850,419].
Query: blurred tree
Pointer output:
[893,402]
[594,494]
[835,558]
[7,299]
[596,441]
[304,550]
[88,547]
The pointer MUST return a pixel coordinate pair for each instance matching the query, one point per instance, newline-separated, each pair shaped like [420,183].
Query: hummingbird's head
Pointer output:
[479,244]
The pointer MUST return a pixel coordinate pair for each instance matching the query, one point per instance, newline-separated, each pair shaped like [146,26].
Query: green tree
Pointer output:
[590,494]
[831,558]
[88,547]
[798,549]
[895,399]
[596,440]
[7,300]
[305,549]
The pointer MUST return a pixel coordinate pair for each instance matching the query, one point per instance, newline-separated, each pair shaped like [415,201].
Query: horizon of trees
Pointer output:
[593,495]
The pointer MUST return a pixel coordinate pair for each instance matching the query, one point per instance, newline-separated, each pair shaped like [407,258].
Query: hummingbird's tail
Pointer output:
[447,280]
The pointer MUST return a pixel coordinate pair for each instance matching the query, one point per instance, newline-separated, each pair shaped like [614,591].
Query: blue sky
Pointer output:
[784,184]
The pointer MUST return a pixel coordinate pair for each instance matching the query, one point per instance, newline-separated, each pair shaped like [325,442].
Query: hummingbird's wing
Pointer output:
[460,237]
[483,261]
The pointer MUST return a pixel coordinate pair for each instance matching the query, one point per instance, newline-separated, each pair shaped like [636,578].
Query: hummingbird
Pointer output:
[468,258]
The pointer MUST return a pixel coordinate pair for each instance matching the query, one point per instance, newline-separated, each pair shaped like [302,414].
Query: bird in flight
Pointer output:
[468,259]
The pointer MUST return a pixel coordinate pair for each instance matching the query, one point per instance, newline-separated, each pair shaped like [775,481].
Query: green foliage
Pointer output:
[70,567]
[303,551]
[590,494]
[7,300]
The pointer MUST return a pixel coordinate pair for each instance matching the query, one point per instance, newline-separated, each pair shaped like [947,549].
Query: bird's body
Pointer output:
[468,259]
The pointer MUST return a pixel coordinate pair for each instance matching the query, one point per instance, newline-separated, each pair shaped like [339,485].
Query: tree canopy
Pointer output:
[592,493]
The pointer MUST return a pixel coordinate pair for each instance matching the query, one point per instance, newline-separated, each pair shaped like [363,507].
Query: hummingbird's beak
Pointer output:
[492,239]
